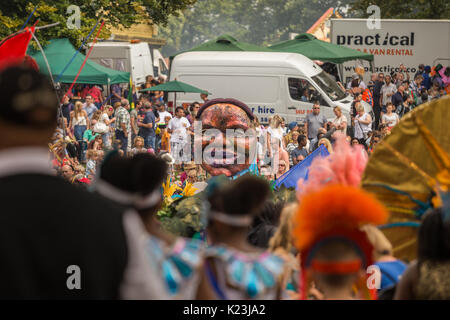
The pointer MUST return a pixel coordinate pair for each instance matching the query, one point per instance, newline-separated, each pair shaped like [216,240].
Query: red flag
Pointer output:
[14,47]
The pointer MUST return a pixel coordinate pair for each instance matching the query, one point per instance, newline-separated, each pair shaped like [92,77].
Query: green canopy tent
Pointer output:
[315,49]
[60,51]
[175,86]
[225,43]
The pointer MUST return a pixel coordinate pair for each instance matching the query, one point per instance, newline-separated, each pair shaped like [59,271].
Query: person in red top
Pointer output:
[96,93]
[84,92]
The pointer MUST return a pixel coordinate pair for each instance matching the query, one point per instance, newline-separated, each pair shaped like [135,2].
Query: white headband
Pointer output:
[232,220]
[126,198]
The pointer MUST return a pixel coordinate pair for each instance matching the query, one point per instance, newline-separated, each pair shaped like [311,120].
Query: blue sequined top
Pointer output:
[253,276]
[177,264]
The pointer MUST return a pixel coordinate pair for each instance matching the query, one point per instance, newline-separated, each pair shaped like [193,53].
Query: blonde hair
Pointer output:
[381,245]
[327,144]
[108,108]
[289,137]
[96,115]
[138,138]
[91,153]
[283,235]
[78,109]
[80,169]
[338,109]
[276,121]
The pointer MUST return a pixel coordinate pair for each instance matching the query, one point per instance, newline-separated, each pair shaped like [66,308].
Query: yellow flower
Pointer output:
[169,189]
[189,190]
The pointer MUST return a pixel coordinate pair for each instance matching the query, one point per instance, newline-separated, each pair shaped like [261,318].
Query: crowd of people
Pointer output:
[95,122]
[250,247]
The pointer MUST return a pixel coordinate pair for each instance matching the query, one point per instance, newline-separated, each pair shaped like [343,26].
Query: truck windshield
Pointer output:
[329,86]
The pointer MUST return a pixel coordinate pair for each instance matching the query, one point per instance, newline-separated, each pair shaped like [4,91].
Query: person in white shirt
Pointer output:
[180,146]
[275,140]
[390,118]
[163,114]
[361,83]
[340,122]
[363,122]
[387,91]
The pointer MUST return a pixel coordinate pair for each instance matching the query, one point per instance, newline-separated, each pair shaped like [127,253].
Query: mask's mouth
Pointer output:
[221,158]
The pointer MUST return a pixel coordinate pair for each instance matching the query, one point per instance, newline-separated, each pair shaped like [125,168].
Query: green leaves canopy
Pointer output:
[404,9]
[117,13]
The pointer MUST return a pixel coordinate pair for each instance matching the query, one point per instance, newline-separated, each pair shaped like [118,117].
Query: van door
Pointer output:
[301,96]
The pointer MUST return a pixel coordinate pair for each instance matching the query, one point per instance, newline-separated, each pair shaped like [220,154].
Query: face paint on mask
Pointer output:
[228,141]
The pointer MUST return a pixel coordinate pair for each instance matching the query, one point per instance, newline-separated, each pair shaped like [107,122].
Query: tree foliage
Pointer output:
[260,22]
[117,13]
[404,9]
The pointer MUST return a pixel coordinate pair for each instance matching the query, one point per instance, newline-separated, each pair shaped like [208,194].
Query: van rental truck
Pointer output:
[270,83]
[397,41]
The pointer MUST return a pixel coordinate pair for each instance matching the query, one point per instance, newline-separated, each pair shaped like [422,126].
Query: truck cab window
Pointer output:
[302,90]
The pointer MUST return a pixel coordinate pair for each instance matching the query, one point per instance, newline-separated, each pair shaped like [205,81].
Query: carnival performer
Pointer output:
[235,269]
[134,182]
[335,253]
[44,230]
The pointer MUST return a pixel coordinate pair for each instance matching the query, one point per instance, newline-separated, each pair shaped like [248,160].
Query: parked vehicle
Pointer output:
[270,83]
[136,58]
[398,41]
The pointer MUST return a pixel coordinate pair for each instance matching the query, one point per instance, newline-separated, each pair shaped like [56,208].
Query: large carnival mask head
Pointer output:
[228,140]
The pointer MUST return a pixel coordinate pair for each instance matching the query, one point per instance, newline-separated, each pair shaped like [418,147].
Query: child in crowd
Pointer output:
[138,146]
[91,164]
[165,136]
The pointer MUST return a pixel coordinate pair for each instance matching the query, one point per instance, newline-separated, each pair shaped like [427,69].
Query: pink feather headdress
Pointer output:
[344,166]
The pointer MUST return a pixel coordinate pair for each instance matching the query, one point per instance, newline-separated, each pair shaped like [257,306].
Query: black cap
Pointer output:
[28,98]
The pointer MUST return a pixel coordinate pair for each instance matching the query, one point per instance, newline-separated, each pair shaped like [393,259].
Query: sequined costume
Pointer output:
[177,265]
[244,275]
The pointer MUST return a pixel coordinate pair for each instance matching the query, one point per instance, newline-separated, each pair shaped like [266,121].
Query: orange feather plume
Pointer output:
[334,207]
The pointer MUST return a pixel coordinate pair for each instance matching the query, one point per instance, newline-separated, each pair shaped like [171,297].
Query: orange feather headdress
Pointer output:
[331,206]
[334,207]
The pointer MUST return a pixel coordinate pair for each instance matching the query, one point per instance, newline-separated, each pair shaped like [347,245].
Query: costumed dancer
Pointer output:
[335,253]
[237,270]
[429,276]
[176,263]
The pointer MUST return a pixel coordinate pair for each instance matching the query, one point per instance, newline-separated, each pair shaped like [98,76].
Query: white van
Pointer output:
[136,58]
[270,83]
